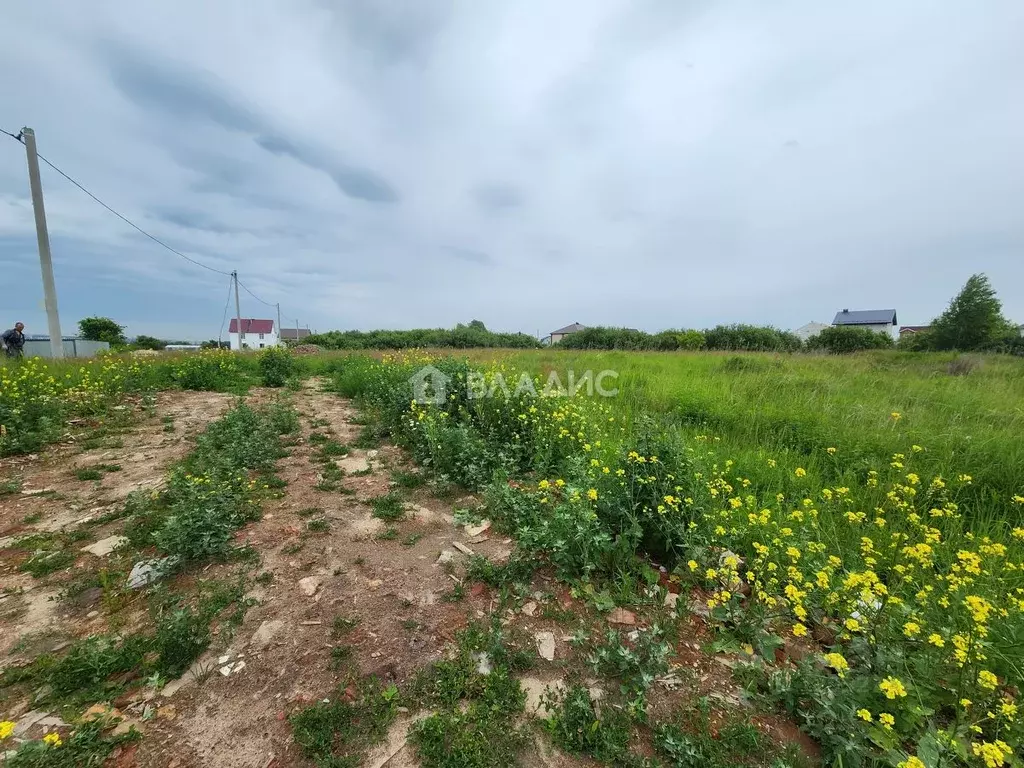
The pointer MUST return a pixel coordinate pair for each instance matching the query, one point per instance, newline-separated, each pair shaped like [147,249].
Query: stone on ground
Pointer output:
[546,645]
[309,585]
[104,547]
[265,633]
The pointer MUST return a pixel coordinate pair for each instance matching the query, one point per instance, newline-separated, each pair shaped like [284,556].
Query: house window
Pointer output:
[261,346]
[261,336]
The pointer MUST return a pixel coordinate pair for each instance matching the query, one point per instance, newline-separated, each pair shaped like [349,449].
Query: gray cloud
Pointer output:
[174,88]
[497,197]
[645,164]
[470,255]
[354,182]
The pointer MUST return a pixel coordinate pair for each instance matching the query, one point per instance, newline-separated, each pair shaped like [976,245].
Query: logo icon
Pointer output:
[429,386]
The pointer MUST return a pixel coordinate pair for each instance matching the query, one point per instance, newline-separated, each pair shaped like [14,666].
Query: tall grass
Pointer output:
[867,406]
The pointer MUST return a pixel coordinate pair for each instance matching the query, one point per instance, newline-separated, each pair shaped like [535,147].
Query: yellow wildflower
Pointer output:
[864,715]
[53,739]
[800,472]
[936,640]
[892,687]
[911,762]
[993,753]
[987,680]
[799,630]
[886,720]
[6,729]
[838,662]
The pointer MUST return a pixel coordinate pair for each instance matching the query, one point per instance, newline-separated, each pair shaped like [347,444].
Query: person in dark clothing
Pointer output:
[14,340]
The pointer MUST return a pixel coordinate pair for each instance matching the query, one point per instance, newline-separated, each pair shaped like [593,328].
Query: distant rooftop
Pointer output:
[251,325]
[865,317]
[570,328]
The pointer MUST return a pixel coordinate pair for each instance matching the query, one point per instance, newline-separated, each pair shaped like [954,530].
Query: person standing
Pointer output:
[14,340]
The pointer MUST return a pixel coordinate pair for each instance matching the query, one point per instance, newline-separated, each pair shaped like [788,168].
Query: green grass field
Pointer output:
[868,407]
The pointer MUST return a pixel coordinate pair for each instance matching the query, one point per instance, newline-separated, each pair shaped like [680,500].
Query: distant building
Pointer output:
[561,333]
[294,334]
[38,345]
[256,334]
[878,320]
[810,329]
[910,330]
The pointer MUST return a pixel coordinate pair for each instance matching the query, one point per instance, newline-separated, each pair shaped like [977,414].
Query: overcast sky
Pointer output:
[375,164]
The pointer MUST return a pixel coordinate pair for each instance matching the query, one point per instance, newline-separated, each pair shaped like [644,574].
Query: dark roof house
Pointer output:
[907,329]
[294,334]
[865,317]
[568,329]
[251,325]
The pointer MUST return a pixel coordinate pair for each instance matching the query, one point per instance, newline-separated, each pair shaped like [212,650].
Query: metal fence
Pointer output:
[72,347]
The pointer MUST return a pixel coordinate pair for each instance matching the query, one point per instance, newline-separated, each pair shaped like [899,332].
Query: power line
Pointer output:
[261,301]
[125,219]
[129,222]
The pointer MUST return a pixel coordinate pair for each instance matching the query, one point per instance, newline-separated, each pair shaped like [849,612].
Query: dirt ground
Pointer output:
[53,499]
[230,710]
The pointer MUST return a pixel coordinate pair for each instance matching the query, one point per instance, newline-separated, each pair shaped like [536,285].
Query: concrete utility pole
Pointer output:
[280,340]
[238,312]
[45,263]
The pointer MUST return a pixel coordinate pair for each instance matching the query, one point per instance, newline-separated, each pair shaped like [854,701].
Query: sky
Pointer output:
[418,163]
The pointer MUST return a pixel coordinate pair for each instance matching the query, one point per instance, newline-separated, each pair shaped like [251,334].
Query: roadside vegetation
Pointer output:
[890,556]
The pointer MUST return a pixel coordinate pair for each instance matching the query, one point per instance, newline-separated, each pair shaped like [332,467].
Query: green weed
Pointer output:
[318,526]
[86,746]
[389,507]
[337,732]
[475,723]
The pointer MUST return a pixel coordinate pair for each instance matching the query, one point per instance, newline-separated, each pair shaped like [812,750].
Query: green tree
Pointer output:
[101,329]
[973,320]
[149,342]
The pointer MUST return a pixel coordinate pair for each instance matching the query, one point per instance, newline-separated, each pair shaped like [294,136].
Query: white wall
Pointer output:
[253,340]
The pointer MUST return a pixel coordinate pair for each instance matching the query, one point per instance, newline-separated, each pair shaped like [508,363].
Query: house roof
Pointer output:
[913,328]
[251,325]
[294,333]
[865,317]
[570,328]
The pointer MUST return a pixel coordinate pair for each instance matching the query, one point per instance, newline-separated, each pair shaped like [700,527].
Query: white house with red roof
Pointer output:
[256,334]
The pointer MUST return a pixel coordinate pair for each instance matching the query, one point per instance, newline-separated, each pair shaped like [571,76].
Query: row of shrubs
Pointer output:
[460,337]
[835,340]
[732,338]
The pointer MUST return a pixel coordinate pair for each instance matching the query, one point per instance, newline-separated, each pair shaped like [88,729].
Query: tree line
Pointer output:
[973,321]
[474,334]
